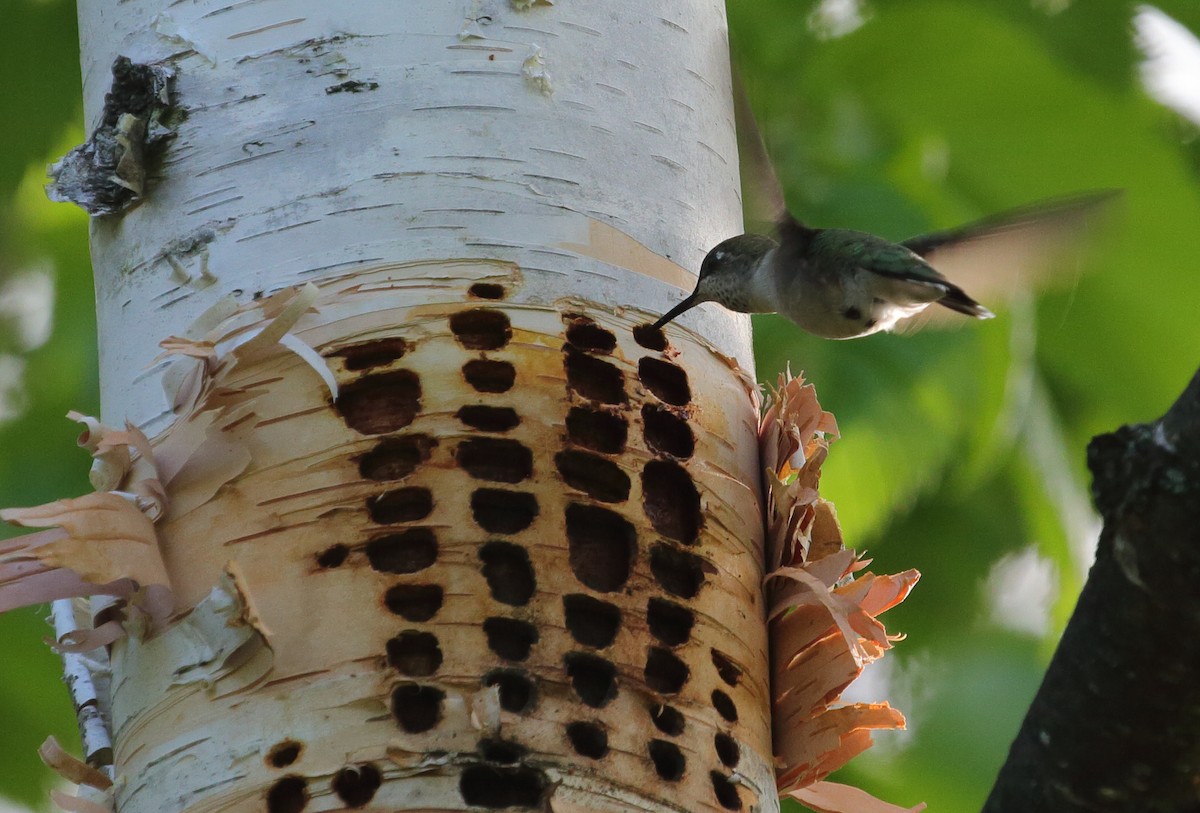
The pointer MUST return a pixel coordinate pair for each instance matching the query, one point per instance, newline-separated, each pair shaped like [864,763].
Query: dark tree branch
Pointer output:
[1116,722]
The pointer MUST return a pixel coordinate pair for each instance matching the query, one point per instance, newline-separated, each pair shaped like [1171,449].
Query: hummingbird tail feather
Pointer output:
[957,300]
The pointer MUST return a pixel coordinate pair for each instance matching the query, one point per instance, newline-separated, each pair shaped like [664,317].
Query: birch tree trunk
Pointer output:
[517,562]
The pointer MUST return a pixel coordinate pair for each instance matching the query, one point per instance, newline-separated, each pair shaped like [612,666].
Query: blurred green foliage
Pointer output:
[958,449]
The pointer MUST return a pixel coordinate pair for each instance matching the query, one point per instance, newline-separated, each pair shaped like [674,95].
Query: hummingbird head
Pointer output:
[726,275]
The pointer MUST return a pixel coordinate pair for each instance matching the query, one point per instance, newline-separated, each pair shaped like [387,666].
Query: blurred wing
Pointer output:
[1023,249]
[762,196]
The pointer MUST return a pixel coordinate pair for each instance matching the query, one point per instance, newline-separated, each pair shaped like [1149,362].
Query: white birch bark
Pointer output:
[579,156]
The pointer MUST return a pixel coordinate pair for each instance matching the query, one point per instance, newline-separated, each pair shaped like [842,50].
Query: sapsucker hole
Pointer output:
[510,638]
[417,708]
[728,750]
[593,678]
[402,505]
[585,334]
[649,337]
[669,622]
[395,458]
[488,418]
[668,759]
[284,753]
[481,328]
[723,703]
[287,795]
[666,432]
[727,670]
[667,719]
[666,380]
[414,602]
[488,375]
[414,653]
[486,290]
[405,552]
[726,792]
[376,353]
[671,501]
[588,739]
[601,546]
[599,478]
[501,511]
[509,573]
[593,378]
[597,430]
[516,688]
[356,784]
[494,787]
[678,572]
[333,556]
[380,402]
[500,751]
[590,621]
[498,459]
[665,673]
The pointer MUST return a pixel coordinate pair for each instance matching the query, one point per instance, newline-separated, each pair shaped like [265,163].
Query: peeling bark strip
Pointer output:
[107,174]
[1116,723]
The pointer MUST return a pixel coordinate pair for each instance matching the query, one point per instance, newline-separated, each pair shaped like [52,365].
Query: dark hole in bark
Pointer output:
[402,505]
[680,573]
[665,673]
[333,556]
[356,784]
[671,501]
[593,378]
[517,690]
[288,795]
[486,375]
[590,621]
[667,719]
[488,418]
[499,459]
[414,602]
[508,572]
[651,338]
[597,430]
[588,739]
[284,753]
[501,751]
[373,354]
[601,546]
[486,290]
[666,432]
[593,678]
[493,787]
[585,334]
[407,552]
[723,703]
[395,458]
[666,380]
[599,478]
[481,328]
[510,638]
[501,511]
[382,402]
[728,671]
[669,622]
[417,708]
[727,750]
[726,792]
[414,653]
[668,760]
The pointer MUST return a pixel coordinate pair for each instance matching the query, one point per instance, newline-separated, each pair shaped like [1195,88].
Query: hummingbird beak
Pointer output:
[692,301]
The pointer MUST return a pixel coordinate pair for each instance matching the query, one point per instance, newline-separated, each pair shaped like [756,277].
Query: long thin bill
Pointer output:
[686,305]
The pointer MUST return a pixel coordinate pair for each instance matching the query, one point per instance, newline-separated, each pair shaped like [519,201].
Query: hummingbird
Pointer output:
[843,284]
